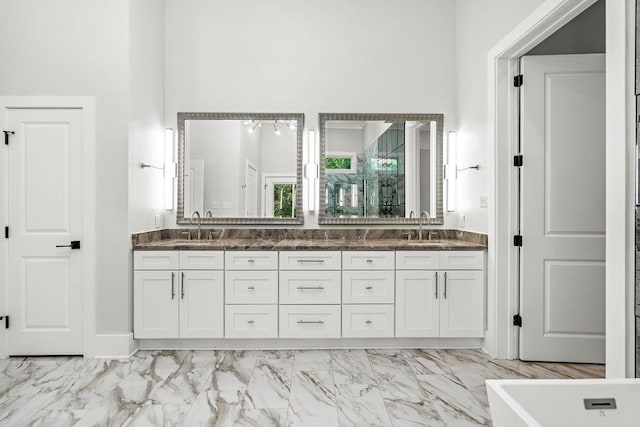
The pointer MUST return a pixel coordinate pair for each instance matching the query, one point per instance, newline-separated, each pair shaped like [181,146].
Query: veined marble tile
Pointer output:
[360,404]
[574,370]
[407,414]
[57,417]
[119,406]
[272,354]
[183,385]
[351,367]
[312,360]
[151,415]
[454,402]
[396,380]
[233,370]
[426,362]
[270,384]
[19,410]
[215,408]
[313,400]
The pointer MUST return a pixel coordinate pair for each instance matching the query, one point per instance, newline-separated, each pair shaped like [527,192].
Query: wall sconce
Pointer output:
[169,168]
[451,171]
[311,171]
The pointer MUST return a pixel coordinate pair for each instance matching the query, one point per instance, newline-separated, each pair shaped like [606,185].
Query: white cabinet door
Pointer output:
[251,287]
[461,260]
[368,260]
[462,304]
[309,321]
[251,260]
[201,304]
[417,308]
[310,260]
[417,260]
[155,300]
[155,260]
[201,260]
[367,287]
[367,321]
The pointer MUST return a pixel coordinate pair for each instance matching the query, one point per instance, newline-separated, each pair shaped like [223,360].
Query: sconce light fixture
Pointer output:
[451,170]
[169,168]
[311,171]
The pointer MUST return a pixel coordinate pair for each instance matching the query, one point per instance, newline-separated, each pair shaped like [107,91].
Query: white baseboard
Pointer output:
[114,346]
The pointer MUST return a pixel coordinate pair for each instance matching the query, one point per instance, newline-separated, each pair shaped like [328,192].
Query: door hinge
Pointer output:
[517,320]
[518,80]
[518,160]
[517,240]
[6,232]
[6,321]
[6,136]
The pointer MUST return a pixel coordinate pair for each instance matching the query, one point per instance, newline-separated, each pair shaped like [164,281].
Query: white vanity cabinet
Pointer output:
[178,294]
[251,294]
[368,294]
[310,290]
[444,298]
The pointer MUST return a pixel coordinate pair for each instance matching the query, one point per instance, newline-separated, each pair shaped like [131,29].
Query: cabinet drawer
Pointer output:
[368,260]
[155,260]
[251,321]
[201,260]
[310,260]
[309,321]
[251,260]
[462,260]
[367,287]
[417,260]
[251,287]
[309,287]
[367,321]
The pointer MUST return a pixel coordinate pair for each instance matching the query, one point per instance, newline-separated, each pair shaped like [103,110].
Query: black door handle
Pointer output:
[75,244]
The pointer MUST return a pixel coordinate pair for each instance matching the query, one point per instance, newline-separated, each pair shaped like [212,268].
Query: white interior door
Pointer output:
[563,208]
[251,190]
[268,195]
[45,212]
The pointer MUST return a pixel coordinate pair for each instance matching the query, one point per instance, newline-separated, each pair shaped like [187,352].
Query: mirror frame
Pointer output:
[298,117]
[324,117]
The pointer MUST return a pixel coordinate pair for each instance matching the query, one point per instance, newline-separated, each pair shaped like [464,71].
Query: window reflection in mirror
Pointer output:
[239,168]
[381,167]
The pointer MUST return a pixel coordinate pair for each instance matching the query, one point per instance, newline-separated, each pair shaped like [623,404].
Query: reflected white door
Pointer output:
[271,200]
[251,190]
[45,211]
[563,208]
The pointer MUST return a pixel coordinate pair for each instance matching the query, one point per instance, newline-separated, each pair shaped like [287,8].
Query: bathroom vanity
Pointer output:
[279,289]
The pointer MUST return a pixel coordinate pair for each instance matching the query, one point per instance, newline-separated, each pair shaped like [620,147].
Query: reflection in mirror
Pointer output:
[381,168]
[239,168]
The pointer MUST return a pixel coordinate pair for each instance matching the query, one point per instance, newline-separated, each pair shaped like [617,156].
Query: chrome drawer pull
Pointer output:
[314,322]
[369,288]
[251,260]
[436,273]
[251,288]
[251,322]
[369,261]
[316,288]
[368,322]
[173,290]
[445,285]
[301,261]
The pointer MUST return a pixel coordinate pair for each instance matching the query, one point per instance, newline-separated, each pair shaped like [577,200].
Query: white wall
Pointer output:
[371,56]
[479,27]
[71,47]
[146,129]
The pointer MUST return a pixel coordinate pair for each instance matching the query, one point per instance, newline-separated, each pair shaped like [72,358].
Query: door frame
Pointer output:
[250,164]
[87,105]
[502,290]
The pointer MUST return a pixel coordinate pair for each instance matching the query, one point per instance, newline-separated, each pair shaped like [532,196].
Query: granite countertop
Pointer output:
[323,245]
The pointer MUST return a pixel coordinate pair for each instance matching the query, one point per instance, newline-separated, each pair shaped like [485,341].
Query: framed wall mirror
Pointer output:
[240,168]
[380,168]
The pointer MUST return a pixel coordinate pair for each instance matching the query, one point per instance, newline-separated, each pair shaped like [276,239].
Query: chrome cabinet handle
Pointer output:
[173,288]
[251,288]
[368,322]
[251,322]
[303,288]
[315,322]
[302,261]
[251,260]
[445,285]
[369,288]
[436,284]
[182,285]
[369,261]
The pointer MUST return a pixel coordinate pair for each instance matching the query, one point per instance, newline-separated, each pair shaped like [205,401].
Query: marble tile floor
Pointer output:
[262,388]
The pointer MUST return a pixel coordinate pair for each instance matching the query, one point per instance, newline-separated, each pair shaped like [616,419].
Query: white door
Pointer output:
[462,303]
[417,304]
[563,208]
[201,304]
[251,190]
[155,302]
[45,213]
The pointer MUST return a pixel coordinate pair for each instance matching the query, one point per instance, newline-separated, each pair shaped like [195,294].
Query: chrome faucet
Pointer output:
[422,215]
[412,214]
[208,214]
[196,213]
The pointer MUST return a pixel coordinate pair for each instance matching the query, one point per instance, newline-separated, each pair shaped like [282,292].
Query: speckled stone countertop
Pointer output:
[286,239]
